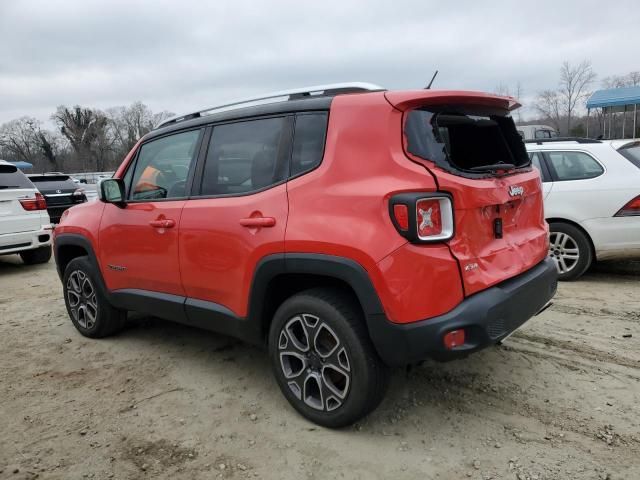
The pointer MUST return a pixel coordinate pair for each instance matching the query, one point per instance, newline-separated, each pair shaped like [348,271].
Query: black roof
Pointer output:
[290,106]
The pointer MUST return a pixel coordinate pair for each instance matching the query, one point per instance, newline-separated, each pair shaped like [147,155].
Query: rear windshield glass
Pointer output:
[466,142]
[48,178]
[11,177]
[45,182]
[632,153]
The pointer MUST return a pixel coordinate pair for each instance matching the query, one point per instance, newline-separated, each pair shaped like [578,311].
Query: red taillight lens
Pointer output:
[401,214]
[428,217]
[38,203]
[630,209]
[453,339]
[422,217]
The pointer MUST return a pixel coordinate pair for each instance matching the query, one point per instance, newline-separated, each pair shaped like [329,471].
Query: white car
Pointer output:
[591,200]
[25,227]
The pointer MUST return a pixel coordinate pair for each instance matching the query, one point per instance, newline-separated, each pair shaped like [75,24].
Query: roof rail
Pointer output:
[275,97]
[540,141]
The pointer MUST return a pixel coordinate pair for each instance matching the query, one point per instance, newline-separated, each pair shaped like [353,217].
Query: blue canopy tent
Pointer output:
[615,100]
[22,165]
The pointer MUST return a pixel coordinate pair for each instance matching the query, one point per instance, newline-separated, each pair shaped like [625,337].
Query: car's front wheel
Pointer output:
[89,310]
[323,359]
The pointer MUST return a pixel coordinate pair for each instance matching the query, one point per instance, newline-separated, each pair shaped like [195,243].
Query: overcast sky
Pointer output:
[183,54]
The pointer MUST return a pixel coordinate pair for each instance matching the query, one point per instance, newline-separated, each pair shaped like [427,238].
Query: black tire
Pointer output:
[87,306]
[340,370]
[575,240]
[37,255]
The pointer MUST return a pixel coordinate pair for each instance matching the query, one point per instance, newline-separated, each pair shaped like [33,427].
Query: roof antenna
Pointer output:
[428,87]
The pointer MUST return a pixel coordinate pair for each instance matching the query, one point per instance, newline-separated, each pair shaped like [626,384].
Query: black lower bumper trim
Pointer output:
[487,317]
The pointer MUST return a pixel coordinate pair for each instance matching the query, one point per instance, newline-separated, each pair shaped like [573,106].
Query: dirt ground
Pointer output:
[559,400]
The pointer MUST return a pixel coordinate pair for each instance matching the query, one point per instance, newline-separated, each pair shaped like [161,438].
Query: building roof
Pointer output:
[611,97]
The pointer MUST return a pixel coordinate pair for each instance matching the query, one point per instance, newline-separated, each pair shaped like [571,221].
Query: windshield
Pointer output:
[631,153]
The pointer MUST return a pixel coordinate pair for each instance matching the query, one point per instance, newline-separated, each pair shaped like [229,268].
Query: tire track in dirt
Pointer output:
[601,312]
[584,351]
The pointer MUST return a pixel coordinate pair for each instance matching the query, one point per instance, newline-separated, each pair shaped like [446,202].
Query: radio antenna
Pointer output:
[428,87]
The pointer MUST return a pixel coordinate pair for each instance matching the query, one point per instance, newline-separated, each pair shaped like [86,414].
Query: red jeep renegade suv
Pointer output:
[346,227]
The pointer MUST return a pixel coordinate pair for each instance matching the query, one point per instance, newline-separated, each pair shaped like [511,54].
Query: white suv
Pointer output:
[25,227]
[592,200]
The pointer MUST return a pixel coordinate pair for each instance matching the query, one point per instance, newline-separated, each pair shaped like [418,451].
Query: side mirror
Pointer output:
[111,190]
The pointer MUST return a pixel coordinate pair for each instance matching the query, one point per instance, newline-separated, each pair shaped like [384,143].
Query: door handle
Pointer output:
[163,223]
[258,222]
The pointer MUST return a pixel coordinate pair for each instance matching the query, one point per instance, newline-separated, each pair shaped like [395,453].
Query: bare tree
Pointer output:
[505,90]
[574,83]
[129,124]
[86,131]
[631,79]
[20,138]
[549,105]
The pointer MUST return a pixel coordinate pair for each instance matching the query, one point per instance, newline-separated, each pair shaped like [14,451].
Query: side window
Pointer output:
[162,167]
[308,142]
[574,165]
[543,134]
[536,161]
[244,157]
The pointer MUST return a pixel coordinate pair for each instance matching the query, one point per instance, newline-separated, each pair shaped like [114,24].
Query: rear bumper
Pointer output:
[19,242]
[487,317]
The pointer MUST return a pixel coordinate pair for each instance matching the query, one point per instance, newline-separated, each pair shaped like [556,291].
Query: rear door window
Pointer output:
[573,166]
[11,177]
[467,142]
[308,142]
[246,156]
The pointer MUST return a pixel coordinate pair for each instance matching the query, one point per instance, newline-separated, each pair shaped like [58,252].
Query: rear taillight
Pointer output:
[401,215]
[630,209]
[38,203]
[79,195]
[421,217]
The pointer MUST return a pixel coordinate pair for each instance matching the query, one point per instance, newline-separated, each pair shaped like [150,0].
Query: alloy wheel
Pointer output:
[314,362]
[81,296]
[563,249]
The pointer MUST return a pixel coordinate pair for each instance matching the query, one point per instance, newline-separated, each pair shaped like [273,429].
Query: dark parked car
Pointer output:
[60,191]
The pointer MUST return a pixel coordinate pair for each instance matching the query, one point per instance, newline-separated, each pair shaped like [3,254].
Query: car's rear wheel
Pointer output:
[37,255]
[323,359]
[570,249]
[89,310]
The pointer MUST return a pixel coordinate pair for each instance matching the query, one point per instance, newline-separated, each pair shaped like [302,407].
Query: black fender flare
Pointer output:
[76,240]
[331,266]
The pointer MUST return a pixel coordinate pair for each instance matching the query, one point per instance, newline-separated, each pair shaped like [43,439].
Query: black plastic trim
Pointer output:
[487,317]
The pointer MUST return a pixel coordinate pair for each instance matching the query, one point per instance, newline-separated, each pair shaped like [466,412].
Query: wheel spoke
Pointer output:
[293,364]
[74,298]
[336,380]
[313,391]
[297,332]
[325,341]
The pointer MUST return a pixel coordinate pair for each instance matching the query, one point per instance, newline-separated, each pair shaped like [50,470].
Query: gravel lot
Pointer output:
[559,400]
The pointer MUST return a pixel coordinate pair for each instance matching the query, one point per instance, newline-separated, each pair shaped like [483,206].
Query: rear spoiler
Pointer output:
[409,99]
